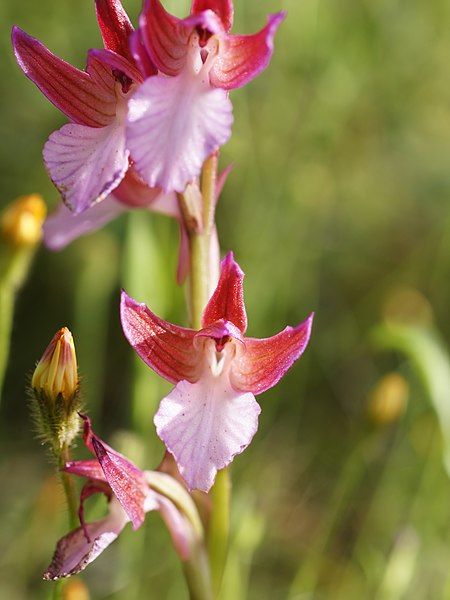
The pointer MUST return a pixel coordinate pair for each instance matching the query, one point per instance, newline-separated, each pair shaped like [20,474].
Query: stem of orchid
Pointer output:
[69,488]
[219,527]
[197,574]
[6,318]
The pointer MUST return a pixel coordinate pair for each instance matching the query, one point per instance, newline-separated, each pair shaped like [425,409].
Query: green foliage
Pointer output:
[339,195]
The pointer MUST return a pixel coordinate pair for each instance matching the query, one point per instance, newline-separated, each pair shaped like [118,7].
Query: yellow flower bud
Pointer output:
[56,373]
[75,589]
[55,390]
[21,222]
[388,399]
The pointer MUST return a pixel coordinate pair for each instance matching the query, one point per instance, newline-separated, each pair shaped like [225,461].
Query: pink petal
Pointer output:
[140,54]
[179,528]
[223,8]
[74,552]
[166,348]
[115,26]
[227,302]
[63,226]
[125,479]
[86,98]
[204,425]
[90,469]
[243,57]
[86,163]
[165,37]
[174,124]
[266,360]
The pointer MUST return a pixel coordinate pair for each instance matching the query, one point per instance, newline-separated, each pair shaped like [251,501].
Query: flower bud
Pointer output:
[21,222]
[75,589]
[55,388]
[388,400]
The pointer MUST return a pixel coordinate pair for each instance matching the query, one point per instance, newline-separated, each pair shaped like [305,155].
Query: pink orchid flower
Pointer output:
[211,415]
[181,115]
[87,158]
[129,496]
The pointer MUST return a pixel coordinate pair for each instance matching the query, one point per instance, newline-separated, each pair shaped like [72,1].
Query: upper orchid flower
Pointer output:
[177,118]
[131,493]
[87,158]
[211,415]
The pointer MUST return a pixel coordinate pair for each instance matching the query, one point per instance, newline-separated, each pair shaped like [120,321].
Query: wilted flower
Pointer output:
[55,390]
[211,415]
[131,493]
[21,221]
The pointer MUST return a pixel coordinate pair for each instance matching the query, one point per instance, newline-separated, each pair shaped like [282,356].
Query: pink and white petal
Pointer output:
[126,481]
[140,54]
[174,124]
[63,226]
[74,551]
[227,301]
[165,37]
[223,8]
[85,99]
[166,348]
[204,425]
[115,26]
[242,57]
[266,360]
[86,163]
[179,528]
[90,469]
[116,63]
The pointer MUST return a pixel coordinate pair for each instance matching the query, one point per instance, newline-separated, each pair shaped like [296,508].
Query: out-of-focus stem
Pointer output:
[197,573]
[69,488]
[219,527]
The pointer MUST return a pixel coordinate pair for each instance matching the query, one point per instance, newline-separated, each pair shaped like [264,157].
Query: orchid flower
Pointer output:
[131,494]
[181,115]
[211,415]
[87,158]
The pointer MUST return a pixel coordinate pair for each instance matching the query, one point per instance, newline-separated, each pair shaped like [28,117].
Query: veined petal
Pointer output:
[86,163]
[204,425]
[74,551]
[243,57]
[223,9]
[115,26]
[140,54]
[265,361]
[90,469]
[165,37]
[174,124]
[227,302]
[63,226]
[86,98]
[166,348]
[125,479]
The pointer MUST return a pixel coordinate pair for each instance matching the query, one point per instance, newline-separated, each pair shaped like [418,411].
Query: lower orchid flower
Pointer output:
[131,493]
[211,415]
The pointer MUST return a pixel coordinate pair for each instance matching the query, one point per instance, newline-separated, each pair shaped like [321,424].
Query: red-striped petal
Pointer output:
[223,8]
[166,348]
[243,57]
[227,302]
[115,26]
[87,98]
[265,361]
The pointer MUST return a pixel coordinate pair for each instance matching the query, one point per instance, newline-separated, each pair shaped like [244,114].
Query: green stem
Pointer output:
[197,574]
[69,488]
[6,319]
[219,527]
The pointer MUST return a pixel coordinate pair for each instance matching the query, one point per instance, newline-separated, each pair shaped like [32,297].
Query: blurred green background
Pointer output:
[338,202]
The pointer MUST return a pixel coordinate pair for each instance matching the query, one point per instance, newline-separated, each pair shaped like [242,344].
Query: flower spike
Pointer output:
[211,415]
